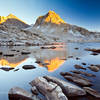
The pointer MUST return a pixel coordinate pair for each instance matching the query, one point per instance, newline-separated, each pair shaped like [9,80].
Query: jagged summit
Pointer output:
[50,17]
[10,16]
[12,20]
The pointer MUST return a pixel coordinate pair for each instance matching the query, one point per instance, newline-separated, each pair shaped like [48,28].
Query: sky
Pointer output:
[84,13]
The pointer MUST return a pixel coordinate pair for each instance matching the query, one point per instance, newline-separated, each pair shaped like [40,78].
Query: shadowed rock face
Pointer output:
[92,92]
[17,93]
[12,20]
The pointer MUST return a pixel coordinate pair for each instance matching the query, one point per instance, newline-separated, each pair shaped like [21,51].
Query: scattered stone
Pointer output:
[25,53]
[49,89]
[38,61]
[16,69]
[83,63]
[6,68]
[77,58]
[93,50]
[79,67]
[83,73]
[34,90]
[17,93]
[95,54]
[67,88]
[78,80]
[1,53]
[52,47]
[76,48]
[27,67]
[9,55]
[92,92]
[70,56]
[74,75]
[94,68]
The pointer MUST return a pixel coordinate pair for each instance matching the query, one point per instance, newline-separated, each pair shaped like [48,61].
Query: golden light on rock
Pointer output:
[4,62]
[50,17]
[54,64]
[10,16]
[54,18]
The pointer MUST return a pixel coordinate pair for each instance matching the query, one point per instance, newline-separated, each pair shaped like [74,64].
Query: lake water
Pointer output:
[58,59]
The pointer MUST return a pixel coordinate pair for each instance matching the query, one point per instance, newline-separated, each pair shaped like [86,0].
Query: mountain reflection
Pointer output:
[54,64]
[4,63]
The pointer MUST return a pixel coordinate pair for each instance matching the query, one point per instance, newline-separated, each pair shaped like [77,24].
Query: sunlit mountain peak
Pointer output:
[50,17]
[10,16]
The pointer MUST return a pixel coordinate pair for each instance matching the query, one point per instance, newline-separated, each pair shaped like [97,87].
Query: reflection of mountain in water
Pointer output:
[54,64]
[4,63]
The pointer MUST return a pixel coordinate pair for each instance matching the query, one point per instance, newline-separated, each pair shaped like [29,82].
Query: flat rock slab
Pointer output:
[17,93]
[74,75]
[67,88]
[93,50]
[28,67]
[83,73]
[79,67]
[6,68]
[78,81]
[92,92]
[49,89]
[25,53]
[94,68]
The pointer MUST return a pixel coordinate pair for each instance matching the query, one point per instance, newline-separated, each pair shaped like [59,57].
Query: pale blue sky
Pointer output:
[85,13]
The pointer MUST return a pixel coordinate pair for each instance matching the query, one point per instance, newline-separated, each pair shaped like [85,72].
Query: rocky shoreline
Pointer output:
[53,88]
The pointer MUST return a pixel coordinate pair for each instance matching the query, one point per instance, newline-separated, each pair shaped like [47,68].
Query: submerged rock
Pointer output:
[49,89]
[78,80]
[52,47]
[67,88]
[79,67]
[83,63]
[93,50]
[74,75]
[1,53]
[94,68]
[9,55]
[27,67]
[95,54]
[16,69]
[6,68]
[25,52]
[92,92]
[83,73]
[77,58]
[17,93]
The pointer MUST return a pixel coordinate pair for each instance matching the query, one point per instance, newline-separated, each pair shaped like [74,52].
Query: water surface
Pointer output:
[58,61]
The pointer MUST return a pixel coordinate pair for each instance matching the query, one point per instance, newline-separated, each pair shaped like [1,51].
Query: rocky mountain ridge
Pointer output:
[49,28]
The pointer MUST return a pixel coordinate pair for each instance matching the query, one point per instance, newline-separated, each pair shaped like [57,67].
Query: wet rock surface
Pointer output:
[28,67]
[78,80]
[49,89]
[17,93]
[94,68]
[74,75]
[93,50]
[6,68]
[92,92]
[25,52]
[79,67]
[67,88]
[83,73]
[51,47]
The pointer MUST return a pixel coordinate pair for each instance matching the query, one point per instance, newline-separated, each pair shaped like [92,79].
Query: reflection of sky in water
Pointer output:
[57,64]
